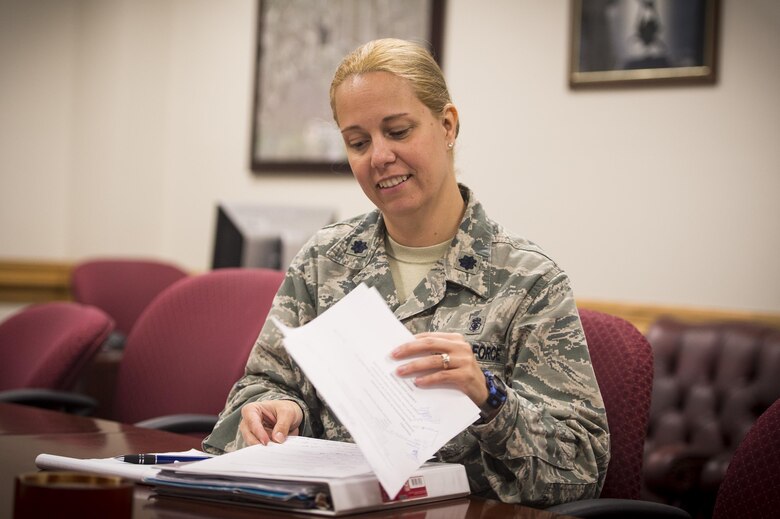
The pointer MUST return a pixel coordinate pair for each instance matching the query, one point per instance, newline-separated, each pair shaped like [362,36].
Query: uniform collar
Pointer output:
[467,261]
[358,248]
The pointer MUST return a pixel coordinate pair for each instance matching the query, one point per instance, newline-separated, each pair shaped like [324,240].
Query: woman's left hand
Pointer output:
[431,351]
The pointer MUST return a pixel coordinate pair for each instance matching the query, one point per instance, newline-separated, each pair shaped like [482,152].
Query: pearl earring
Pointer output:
[450,145]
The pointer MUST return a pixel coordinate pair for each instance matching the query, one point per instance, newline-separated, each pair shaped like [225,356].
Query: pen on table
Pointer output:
[156,459]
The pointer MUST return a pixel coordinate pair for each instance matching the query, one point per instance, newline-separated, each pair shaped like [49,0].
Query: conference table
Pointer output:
[26,432]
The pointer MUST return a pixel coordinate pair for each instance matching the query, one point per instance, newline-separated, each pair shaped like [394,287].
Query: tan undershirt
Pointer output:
[409,265]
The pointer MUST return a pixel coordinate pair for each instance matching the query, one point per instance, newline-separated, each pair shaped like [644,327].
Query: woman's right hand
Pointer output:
[269,420]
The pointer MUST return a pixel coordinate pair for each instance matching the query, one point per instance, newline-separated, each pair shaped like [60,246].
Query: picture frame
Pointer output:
[640,42]
[299,46]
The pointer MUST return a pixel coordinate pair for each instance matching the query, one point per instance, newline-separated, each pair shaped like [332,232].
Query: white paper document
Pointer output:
[298,457]
[345,353]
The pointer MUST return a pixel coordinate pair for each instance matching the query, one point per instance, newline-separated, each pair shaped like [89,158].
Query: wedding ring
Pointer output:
[445,360]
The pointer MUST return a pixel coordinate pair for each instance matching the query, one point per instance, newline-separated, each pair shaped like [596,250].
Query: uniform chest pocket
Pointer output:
[484,330]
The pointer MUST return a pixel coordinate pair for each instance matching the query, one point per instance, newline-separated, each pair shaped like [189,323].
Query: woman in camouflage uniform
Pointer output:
[494,313]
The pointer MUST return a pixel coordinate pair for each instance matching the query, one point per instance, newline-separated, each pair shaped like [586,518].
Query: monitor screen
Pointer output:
[254,235]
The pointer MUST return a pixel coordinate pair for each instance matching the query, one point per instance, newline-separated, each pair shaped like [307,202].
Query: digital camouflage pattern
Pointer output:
[549,442]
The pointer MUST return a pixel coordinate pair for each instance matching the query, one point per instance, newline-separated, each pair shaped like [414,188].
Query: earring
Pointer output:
[450,145]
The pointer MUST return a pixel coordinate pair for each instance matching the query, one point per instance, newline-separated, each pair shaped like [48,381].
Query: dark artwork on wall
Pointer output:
[642,41]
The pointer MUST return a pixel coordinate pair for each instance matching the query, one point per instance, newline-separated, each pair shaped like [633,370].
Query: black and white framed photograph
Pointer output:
[299,45]
[643,41]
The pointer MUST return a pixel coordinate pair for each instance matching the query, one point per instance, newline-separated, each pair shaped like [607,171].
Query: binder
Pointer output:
[318,496]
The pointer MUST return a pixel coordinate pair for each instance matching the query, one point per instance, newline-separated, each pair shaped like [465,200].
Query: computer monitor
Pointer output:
[255,235]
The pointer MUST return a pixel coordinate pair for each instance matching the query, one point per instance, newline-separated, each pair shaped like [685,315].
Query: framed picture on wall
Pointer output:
[618,42]
[299,45]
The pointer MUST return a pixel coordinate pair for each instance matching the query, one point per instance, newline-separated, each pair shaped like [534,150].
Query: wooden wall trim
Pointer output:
[34,281]
[38,281]
[643,315]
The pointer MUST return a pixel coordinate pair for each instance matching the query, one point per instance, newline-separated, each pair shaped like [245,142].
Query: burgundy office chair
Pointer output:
[122,287]
[751,486]
[43,347]
[190,346]
[623,363]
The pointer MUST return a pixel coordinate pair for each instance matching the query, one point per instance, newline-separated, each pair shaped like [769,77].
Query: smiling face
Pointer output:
[398,150]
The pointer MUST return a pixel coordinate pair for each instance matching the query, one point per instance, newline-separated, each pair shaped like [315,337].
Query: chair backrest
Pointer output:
[191,344]
[751,486]
[45,345]
[712,381]
[623,362]
[122,287]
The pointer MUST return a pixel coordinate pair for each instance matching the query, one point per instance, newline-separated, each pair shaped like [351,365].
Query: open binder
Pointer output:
[320,496]
[306,475]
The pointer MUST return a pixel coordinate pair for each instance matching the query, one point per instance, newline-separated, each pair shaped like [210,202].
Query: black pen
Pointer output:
[156,459]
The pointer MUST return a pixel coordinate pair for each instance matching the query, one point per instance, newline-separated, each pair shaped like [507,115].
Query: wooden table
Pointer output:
[26,432]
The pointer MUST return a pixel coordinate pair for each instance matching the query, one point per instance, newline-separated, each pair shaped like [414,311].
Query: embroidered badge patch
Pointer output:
[475,324]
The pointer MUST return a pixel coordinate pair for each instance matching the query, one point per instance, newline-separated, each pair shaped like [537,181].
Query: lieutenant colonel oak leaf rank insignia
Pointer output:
[358,246]
[467,262]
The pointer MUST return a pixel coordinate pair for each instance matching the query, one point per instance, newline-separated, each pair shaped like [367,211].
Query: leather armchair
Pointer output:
[712,381]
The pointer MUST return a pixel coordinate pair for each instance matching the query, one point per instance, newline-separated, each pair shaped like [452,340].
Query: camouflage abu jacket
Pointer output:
[548,444]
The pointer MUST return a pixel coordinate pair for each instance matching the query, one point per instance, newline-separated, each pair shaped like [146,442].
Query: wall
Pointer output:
[124,121]
[119,136]
[37,67]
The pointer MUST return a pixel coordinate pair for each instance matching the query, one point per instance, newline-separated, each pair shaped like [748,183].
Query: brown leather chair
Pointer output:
[712,381]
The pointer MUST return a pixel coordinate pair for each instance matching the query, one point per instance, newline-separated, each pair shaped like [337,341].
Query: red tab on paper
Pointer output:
[414,488]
